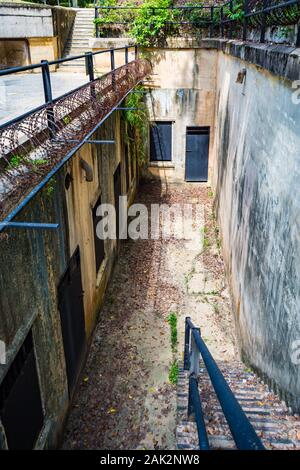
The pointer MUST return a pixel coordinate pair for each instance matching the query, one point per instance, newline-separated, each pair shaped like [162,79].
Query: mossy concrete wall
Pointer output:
[256,180]
[33,262]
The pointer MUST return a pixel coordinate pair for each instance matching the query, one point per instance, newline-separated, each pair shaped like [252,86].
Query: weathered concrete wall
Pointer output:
[33,262]
[256,177]
[21,20]
[183,91]
[14,52]
[41,31]
[63,19]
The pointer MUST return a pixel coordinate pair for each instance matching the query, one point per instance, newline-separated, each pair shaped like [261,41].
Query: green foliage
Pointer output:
[172,320]
[15,161]
[138,120]
[50,187]
[110,16]
[66,120]
[196,15]
[237,13]
[173,374]
[151,19]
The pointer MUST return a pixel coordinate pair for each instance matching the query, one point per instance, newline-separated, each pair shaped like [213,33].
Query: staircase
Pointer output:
[78,42]
[277,428]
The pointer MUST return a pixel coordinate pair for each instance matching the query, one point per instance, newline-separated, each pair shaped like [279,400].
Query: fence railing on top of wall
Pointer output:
[231,19]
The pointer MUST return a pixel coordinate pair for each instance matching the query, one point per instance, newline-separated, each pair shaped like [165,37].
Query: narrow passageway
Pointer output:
[125,399]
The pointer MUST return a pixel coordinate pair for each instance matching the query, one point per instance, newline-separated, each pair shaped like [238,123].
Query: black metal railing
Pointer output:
[45,65]
[241,429]
[233,18]
[56,130]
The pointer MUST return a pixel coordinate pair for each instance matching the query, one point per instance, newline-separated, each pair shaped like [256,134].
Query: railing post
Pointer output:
[195,406]
[211,29]
[195,354]
[97,26]
[187,338]
[222,19]
[263,22]
[126,55]
[136,52]
[112,67]
[48,96]
[89,66]
[245,25]
[230,24]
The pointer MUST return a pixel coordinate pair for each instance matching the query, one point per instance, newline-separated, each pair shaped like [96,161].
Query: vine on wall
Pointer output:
[138,119]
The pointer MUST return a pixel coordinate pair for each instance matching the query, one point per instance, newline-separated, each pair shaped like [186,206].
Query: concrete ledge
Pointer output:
[106,43]
[281,60]
[161,165]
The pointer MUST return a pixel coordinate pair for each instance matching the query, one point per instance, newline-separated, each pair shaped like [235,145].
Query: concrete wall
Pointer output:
[21,21]
[38,259]
[30,33]
[183,91]
[254,170]
[256,178]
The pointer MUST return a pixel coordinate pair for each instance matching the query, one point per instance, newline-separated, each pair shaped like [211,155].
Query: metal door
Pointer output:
[196,160]
[70,304]
[161,141]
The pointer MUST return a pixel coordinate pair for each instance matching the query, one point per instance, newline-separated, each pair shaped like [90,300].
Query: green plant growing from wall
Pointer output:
[138,120]
[49,189]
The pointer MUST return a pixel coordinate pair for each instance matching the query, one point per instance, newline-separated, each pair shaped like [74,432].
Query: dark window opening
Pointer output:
[161,141]
[20,400]
[70,304]
[98,242]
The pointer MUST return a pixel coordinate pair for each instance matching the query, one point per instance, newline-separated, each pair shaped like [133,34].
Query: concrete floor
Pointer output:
[125,399]
[22,92]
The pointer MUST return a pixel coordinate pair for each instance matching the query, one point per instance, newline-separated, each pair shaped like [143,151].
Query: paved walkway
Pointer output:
[20,93]
[125,399]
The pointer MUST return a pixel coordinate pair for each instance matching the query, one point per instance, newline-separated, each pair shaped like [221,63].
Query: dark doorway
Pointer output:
[70,304]
[161,141]
[196,160]
[20,401]
[117,192]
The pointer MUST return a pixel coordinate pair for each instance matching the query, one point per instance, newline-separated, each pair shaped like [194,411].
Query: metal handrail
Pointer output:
[241,429]
[25,68]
